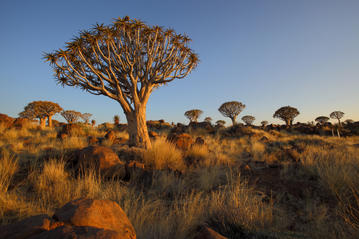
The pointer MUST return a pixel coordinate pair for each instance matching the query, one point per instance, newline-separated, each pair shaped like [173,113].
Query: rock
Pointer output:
[128,154]
[120,140]
[182,141]
[104,214]
[92,140]
[110,136]
[70,232]
[28,227]
[208,233]
[70,130]
[201,125]
[6,120]
[199,141]
[97,157]
[20,123]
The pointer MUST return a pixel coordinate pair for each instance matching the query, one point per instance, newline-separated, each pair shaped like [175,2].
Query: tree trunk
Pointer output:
[137,128]
[288,123]
[233,121]
[49,120]
[42,122]
[340,124]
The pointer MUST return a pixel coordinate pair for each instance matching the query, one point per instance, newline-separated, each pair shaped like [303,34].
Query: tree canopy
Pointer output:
[231,109]
[71,116]
[41,110]
[193,115]
[322,119]
[124,61]
[287,114]
[337,115]
[248,119]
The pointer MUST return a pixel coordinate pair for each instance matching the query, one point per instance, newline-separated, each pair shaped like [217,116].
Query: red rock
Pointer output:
[6,120]
[182,141]
[27,227]
[103,214]
[208,233]
[98,158]
[70,232]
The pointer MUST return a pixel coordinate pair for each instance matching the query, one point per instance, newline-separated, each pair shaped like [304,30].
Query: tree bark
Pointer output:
[137,128]
[233,121]
[288,123]
[42,122]
[49,120]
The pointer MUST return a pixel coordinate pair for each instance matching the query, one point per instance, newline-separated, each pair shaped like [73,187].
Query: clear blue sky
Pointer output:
[264,53]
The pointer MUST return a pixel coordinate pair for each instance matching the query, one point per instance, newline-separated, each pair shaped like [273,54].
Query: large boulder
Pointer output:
[104,214]
[100,158]
[28,227]
[208,233]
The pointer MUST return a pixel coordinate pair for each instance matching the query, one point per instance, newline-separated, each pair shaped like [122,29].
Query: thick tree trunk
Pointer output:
[49,120]
[137,128]
[42,122]
[233,121]
[288,123]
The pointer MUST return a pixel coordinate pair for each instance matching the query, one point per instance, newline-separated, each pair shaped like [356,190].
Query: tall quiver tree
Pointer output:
[71,116]
[231,110]
[287,114]
[50,109]
[248,119]
[337,115]
[193,115]
[125,61]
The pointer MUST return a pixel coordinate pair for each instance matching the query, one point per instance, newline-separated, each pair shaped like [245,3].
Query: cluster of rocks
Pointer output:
[82,218]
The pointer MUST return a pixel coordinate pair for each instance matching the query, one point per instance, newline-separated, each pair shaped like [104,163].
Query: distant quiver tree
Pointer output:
[86,117]
[231,110]
[41,110]
[193,115]
[125,61]
[248,119]
[264,123]
[71,116]
[287,114]
[337,115]
[208,119]
[322,119]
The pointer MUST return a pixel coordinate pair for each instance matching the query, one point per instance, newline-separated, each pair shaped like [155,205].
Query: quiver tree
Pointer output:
[220,123]
[125,61]
[193,115]
[322,119]
[50,109]
[41,110]
[93,123]
[231,110]
[86,117]
[337,115]
[264,123]
[349,121]
[71,116]
[248,119]
[287,114]
[208,119]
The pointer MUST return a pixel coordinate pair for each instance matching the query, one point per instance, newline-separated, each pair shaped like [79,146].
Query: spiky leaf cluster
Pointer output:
[322,119]
[71,116]
[231,109]
[124,60]
[193,115]
[286,113]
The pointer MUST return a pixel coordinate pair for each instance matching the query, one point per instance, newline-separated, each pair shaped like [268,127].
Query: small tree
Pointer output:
[287,114]
[71,116]
[220,123]
[231,110]
[349,121]
[337,115]
[125,61]
[208,119]
[248,119]
[116,120]
[193,115]
[264,123]
[86,117]
[322,119]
